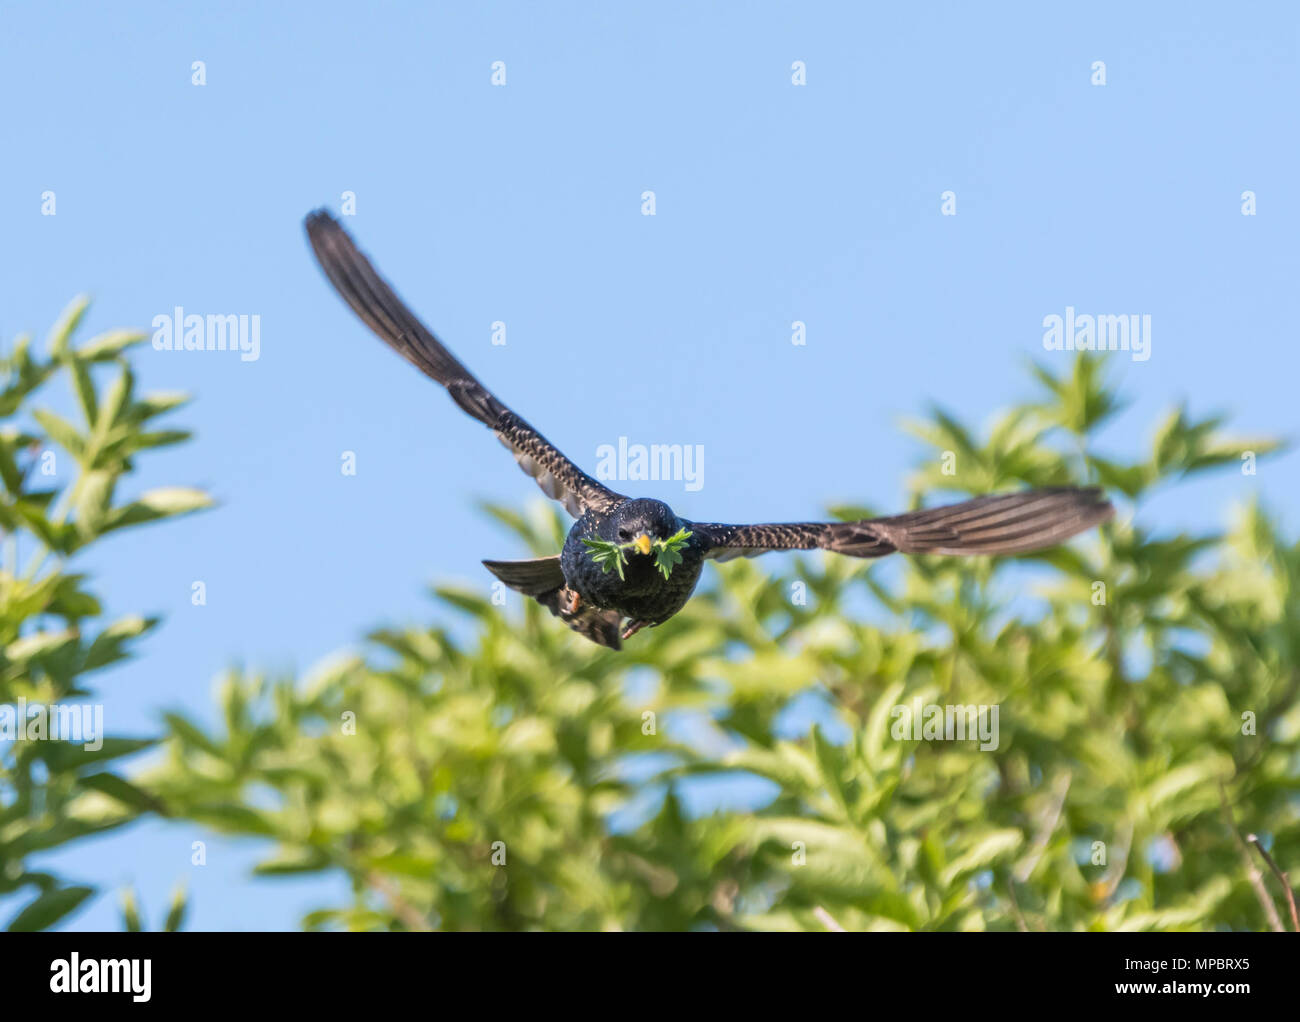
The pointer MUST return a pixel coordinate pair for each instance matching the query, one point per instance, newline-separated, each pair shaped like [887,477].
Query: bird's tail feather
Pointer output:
[543,580]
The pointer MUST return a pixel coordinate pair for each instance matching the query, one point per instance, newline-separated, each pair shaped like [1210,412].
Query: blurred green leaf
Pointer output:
[48,908]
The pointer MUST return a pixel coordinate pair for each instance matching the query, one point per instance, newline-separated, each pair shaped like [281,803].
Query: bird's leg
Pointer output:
[633,627]
[570,601]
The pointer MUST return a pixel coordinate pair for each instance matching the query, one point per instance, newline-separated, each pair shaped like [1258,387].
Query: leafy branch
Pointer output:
[59,483]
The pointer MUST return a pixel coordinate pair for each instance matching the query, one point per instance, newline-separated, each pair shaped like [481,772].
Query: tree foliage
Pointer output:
[494,771]
[58,496]
[520,778]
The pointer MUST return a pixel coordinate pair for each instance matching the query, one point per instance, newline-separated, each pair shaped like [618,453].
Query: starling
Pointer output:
[594,600]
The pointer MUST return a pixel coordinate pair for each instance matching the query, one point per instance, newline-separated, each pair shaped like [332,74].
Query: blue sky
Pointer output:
[522,204]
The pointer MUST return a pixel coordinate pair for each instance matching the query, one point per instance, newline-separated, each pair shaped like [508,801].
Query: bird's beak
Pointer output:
[642,543]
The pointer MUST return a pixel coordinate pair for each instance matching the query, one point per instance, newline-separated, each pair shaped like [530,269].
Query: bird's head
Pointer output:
[641,522]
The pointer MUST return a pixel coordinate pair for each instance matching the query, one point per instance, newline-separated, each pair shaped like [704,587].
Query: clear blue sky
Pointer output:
[522,204]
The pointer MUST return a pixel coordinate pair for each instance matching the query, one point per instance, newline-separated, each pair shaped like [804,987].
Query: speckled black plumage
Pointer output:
[642,594]
[593,602]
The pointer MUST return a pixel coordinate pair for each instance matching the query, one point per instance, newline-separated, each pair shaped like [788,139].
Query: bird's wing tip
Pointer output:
[319,217]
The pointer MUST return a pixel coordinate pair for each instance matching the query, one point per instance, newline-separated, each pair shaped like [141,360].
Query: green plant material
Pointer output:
[52,637]
[1149,693]
[176,911]
[131,918]
[1149,696]
[131,912]
[49,907]
[612,556]
[668,551]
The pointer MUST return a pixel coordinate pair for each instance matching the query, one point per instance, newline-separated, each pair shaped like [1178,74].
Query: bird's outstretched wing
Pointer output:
[1008,523]
[380,309]
[543,580]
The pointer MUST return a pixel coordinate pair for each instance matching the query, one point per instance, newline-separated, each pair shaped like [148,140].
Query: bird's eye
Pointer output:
[624,534]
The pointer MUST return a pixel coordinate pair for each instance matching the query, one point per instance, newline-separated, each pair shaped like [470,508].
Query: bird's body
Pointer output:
[593,598]
[642,594]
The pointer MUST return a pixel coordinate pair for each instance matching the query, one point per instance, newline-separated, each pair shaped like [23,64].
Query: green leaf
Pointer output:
[469,602]
[987,849]
[823,858]
[294,861]
[123,791]
[233,818]
[609,556]
[39,647]
[63,757]
[67,325]
[94,495]
[176,912]
[62,432]
[109,645]
[130,913]
[11,443]
[155,438]
[191,735]
[668,551]
[109,345]
[156,403]
[61,537]
[831,760]
[116,401]
[155,504]
[85,388]
[49,908]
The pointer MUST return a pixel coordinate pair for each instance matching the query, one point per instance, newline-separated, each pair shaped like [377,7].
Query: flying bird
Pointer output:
[633,559]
